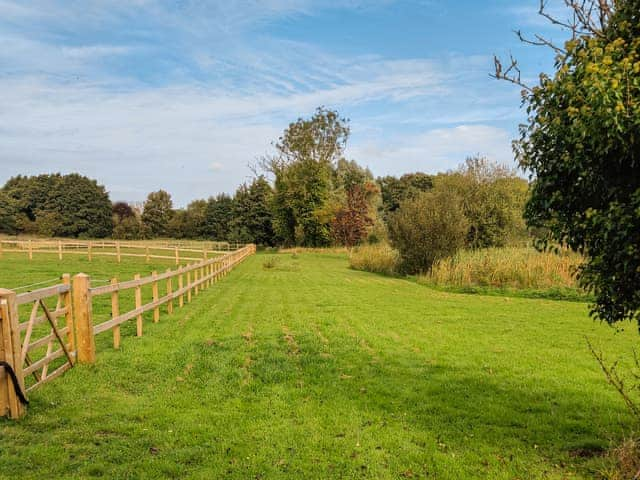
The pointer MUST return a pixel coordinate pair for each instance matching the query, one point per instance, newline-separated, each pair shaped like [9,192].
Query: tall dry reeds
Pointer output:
[376,258]
[508,267]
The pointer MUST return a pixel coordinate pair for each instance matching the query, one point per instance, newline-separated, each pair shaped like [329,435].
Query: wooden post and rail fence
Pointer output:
[177,251]
[39,348]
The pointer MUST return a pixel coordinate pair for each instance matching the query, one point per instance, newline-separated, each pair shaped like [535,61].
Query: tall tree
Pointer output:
[219,215]
[252,217]
[303,168]
[157,213]
[581,145]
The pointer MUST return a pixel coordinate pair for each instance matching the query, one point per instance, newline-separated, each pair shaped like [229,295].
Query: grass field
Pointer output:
[308,369]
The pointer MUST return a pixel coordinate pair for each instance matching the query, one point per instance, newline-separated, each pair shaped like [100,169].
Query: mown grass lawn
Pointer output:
[311,370]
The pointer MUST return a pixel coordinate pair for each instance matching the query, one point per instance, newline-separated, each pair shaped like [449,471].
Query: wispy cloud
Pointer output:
[143,95]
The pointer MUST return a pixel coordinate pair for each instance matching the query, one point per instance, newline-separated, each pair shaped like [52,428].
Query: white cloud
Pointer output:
[435,150]
[64,109]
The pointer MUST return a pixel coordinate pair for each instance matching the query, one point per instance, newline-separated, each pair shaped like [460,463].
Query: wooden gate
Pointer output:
[37,346]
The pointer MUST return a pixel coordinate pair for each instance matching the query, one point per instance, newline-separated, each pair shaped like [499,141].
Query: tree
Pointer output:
[8,214]
[493,199]
[157,213]
[395,190]
[426,228]
[130,228]
[68,205]
[303,166]
[252,218]
[219,215]
[122,210]
[196,220]
[351,223]
[581,146]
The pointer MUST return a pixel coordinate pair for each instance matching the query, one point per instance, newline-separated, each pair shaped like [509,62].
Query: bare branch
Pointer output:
[589,18]
[615,380]
[540,41]
[510,74]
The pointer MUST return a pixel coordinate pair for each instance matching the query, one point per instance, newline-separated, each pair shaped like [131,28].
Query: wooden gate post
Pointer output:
[10,404]
[83,312]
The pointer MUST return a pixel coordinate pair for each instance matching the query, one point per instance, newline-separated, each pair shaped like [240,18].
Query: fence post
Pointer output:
[155,295]
[10,404]
[82,308]
[59,250]
[138,298]
[147,254]
[180,287]
[177,256]
[30,250]
[189,286]
[169,293]
[67,303]
[115,312]
[118,251]
[89,250]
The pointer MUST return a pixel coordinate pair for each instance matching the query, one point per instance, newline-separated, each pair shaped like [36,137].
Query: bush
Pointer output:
[509,267]
[427,228]
[270,263]
[377,258]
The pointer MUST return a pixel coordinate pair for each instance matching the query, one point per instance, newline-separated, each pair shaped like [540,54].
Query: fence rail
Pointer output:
[39,347]
[176,251]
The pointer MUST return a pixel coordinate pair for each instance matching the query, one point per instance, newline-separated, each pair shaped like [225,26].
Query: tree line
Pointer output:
[305,194]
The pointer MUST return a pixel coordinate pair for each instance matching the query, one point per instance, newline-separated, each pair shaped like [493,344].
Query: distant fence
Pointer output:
[177,251]
[37,349]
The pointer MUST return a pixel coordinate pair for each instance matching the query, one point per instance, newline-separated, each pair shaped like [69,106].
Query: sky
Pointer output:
[186,95]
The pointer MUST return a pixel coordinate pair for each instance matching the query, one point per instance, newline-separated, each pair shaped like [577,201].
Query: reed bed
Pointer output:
[508,267]
[376,258]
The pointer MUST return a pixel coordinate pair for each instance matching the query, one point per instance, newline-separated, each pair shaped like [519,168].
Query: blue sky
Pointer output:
[185,94]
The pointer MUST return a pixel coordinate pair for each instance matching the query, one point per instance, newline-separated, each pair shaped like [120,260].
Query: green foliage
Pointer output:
[307,154]
[219,215]
[252,218]
[122,210]
[130,228]
[395,190]
[493,199]
[191,222]
[158,213]
[8,214]
[581,144]
[127,224]
[61,205]
[427,228]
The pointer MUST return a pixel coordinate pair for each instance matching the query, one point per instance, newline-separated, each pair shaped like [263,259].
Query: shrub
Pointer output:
[509,267]
[377,258]
[427,228]
[270,263]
